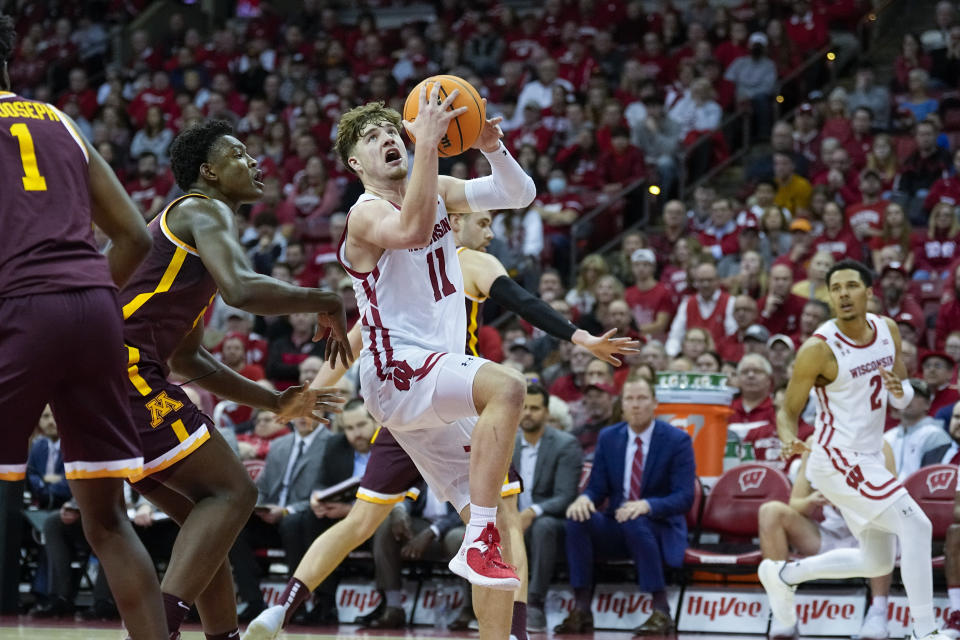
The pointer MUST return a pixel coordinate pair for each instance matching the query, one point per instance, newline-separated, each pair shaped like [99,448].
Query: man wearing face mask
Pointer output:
[558,208]
[756,78]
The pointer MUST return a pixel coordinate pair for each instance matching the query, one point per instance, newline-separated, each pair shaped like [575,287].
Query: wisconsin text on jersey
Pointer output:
[439,230]
[886,361]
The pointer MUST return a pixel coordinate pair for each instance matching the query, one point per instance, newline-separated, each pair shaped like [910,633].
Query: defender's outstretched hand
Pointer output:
[303,402]
[606,347]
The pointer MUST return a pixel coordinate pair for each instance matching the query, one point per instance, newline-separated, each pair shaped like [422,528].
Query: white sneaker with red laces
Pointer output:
[952,628]
[480,562]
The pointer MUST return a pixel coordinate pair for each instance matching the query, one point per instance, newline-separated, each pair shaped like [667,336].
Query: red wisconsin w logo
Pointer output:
[752,479]
[941,480]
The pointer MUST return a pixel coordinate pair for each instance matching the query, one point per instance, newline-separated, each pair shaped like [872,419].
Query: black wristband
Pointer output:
[511,296]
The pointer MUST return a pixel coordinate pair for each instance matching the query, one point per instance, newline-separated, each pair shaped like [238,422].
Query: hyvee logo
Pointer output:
[941,480]
[752,479]
[361,599]
[722,607]
[623,604]
[823,609]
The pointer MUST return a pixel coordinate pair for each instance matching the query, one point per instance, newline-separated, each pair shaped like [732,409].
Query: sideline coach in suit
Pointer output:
[644,471]
[549,462]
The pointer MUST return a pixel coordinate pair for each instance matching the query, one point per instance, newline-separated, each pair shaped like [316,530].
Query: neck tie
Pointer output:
[956,458]
[288,475]
[636,472]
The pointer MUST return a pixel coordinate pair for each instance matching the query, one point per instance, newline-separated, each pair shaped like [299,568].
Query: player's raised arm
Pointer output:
[491,280]
[806,369]
[507,187]
[116,214]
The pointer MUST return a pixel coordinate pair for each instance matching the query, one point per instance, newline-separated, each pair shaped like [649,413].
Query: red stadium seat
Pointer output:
[731,510]
[934,487]
[693,515]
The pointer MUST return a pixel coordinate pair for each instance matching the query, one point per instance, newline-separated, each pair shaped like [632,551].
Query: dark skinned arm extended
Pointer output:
[215,236]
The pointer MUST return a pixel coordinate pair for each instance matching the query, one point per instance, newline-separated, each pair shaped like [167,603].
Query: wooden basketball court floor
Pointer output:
[23,628]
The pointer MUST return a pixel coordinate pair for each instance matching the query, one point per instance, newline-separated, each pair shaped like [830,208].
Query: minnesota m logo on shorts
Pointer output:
[159,406]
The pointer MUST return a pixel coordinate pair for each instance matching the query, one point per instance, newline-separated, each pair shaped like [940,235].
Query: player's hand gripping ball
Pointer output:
[463,130]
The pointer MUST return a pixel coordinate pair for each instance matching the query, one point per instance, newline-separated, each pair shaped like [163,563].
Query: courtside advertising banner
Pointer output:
[618,607]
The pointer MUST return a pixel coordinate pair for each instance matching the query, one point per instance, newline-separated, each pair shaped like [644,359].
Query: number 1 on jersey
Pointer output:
[32,180]
[442,287]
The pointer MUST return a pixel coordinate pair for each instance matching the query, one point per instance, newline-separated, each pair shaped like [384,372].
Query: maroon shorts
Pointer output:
[392,476]
[65,349]
[171,427]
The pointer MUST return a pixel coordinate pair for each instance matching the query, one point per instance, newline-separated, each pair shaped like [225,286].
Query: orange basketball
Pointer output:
[465,128]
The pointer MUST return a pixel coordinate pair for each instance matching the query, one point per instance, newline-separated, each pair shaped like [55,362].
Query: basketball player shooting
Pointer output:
[399,248]
[853,364]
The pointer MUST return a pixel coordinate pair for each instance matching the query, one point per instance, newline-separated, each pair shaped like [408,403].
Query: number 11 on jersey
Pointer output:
[32,180]
[442,287]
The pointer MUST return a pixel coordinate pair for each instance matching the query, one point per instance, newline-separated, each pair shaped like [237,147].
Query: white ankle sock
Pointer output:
[479,518]
[879,603]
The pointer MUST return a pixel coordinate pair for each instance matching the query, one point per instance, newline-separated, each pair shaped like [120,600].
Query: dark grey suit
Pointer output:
[555,478]
[257,533]
[934,456]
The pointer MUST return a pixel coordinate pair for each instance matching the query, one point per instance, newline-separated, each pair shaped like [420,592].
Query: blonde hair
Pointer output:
[353,122]
[592,261]
[954,225]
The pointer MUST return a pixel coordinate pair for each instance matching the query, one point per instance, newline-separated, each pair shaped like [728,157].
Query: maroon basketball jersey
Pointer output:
[168,294]
[46,237]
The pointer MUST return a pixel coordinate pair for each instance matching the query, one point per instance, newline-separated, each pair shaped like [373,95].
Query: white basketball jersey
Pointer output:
[413,298]
[852,409]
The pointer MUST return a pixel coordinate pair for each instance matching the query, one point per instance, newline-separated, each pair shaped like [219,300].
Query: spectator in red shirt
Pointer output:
[897,233]
[81,93]
[938,369]
[865,218]
[530,132]
[580,161]
[569,388]
[814,314]
[734,47]
[255,444]
[801,248]
[837,239]
[745,312]
[839,177]
[860,142]
[896,301]
[754,414]
[946,188]
[780,309]
[314,197]
[650,302]
[159,94]
[623,164]
[948,316]
[720,237]
[658,65]
[233,353]
[150,187]
[936,247]
[806,29]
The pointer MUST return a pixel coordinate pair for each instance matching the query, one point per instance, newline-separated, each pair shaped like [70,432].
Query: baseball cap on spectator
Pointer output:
[233,312]
[801,224]
[781,337]
[904,318]
[920,387]
[757,332]
[815,96]
[757,38]
[806,107]
[643,255]
[602,386]
[895,266]
[938,354]
[521,343]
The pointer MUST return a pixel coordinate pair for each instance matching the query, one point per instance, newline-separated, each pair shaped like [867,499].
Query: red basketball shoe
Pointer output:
[481,564]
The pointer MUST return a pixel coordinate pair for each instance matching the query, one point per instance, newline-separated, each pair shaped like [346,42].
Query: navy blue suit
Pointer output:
[47,496]
[651,540]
